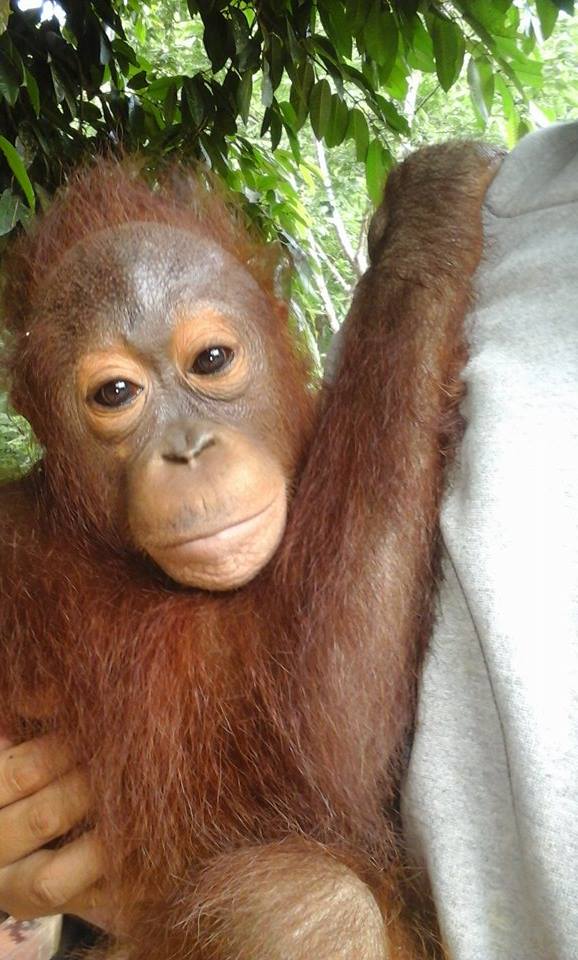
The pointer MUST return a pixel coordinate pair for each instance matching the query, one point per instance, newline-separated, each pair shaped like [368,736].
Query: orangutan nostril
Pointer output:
[184,445]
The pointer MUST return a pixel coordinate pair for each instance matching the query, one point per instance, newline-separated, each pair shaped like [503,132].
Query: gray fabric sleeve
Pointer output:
[490,802]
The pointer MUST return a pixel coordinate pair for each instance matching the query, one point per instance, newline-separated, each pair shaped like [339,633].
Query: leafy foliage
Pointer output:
[342,66]
[301,105]
[18,450]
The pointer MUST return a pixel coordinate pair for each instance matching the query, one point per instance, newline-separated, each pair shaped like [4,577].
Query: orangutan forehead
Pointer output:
[145,272]
[134,247]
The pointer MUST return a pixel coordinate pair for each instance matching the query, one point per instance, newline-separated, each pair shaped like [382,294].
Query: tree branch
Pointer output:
[336,217]
[322,286]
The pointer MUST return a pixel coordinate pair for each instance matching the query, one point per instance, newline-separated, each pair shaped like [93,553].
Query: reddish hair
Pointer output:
[277,714]
[111,193]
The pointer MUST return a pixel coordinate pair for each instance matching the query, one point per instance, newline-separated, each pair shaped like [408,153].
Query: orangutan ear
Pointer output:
[272,266]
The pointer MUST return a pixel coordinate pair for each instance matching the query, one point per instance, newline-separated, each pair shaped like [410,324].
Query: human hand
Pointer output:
[42,796]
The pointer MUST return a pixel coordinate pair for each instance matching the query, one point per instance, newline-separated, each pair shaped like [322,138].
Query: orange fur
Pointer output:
[252,741]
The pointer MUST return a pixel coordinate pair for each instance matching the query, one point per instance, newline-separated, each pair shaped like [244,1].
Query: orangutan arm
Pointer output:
[360,554]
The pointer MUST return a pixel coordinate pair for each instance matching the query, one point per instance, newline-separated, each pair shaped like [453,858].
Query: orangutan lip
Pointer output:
[222,533]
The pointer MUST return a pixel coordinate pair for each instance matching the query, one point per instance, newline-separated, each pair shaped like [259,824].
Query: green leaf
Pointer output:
[371,73]
[239,31]
[9,207]
[397,85]
[293,141]
[548,14]
[566,5]
[357,77]
[406,8]
[231,85]
[62,89]
[266,122]
[123,49]
[301,91]
[392,117]
[9,82]
[449,48]
[381,38]
[288,114]
[138,81]
[250,58]
[329,57]
[320,108]
[218,40]
[89,114]
[296,49]
[9,54]
[244,94]
[158,89]
[170,104]
[495,16]
[358,131]
[33,92]
[356,16]
[88,30]
[275,130]
[377,164]
[303,17]
[528,73]
[59,92]
[108,15]
[420,55]
[276,57]
[481,83]
[334,22]
[15,163]
[505,95]
[511,115]
[4,14]
[192,97]
[225,112]
[338,122]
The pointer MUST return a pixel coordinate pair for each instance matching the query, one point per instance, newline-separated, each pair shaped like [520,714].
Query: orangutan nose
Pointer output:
[185,441]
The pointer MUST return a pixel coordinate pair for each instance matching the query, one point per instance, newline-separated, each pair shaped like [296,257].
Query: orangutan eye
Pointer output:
[116,393]
[212,360]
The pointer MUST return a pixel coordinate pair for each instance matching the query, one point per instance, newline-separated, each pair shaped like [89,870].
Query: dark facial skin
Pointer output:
[175,399]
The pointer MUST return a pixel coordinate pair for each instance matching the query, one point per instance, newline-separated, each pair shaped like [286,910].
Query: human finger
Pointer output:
[45,815]
[26,768]
[45,882]
[96,906]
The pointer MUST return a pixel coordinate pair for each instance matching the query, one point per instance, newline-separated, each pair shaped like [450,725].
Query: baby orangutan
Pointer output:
[238,686]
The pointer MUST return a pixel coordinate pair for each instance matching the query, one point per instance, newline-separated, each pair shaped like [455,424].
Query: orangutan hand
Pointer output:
[42,796]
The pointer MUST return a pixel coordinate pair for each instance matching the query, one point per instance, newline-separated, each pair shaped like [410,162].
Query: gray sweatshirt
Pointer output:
[491,798]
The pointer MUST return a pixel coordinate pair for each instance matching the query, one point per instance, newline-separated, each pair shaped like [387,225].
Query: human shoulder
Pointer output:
[540,173]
